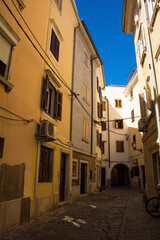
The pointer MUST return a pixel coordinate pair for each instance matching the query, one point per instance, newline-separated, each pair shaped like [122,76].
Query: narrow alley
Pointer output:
[117,213]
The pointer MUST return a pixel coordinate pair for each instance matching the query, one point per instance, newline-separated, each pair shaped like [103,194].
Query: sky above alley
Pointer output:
[104,21]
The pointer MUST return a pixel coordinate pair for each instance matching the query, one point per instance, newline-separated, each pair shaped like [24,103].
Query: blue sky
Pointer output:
[104,21]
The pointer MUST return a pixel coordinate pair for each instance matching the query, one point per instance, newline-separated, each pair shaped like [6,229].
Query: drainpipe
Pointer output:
[72,97]
[36,180]
[91,105]
[153,75]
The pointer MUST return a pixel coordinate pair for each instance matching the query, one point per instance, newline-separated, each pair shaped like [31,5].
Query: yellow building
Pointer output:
[36,52]
[142,18]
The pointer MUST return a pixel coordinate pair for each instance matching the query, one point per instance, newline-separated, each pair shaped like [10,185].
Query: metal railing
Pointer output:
[132,73]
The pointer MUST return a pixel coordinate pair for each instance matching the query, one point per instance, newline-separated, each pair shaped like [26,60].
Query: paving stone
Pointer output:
[115,214]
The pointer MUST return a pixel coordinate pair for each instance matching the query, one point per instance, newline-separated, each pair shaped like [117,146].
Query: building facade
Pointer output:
[115,146]
[141,18]
[36,56]
[135,137]
[83,111]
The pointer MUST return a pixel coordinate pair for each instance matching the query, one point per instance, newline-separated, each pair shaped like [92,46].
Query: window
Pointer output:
[103,126]
[132,116]
[150,8]
[85,130]
[1,147]
[100,93]
[119,123]
[46,165]
[103,147]
[86,59]
[97,84]
[134,138]
[59,4]
[118,103]
[119,146]
[54,45]
[103,106]
[52,100]
[99,139]
[86,93]
[75,169]
[8,40]
[141,44]
[149,102]
[131,93]
[99,110]
[5,55]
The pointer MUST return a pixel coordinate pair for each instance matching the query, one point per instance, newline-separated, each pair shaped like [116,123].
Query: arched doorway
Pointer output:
[120,175]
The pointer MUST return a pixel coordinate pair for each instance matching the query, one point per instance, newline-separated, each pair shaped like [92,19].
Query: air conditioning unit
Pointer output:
[142,125]
[48,130]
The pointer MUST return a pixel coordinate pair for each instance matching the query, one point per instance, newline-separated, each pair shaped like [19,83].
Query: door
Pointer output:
[83,188]
[103,176]
[62,177]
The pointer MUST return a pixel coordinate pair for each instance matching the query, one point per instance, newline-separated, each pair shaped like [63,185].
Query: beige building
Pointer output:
[87,68]
[135,137]
[141,18]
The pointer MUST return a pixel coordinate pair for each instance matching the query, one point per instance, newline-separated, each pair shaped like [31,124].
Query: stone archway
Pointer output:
[120,175]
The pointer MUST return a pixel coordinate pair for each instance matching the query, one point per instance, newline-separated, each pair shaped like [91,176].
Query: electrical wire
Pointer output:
[13,119]
[64,83]
[37,40]
[18,120]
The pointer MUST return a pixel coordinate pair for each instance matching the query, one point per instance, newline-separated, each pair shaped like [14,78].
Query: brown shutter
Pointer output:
[58,110]
[103,126]
[132,115]
[54,45]
[102,148]
[100,140]
[46,94]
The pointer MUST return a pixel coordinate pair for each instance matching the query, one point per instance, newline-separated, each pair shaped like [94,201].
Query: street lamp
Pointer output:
[135,148]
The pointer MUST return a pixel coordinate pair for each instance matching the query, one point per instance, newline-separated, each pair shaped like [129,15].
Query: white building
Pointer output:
[115,147]
[135,137]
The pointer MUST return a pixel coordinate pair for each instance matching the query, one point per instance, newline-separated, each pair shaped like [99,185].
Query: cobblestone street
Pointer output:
[114,214]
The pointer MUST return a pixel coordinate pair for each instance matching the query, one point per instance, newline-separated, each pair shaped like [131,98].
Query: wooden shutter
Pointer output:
[132,115]
[54,45]
[142,105]
[58,108]
[103,106]
[103,126]
[100,140]
[149,97]
[102,148]
[119,146]
[44,169]
[97,138]
[46,94]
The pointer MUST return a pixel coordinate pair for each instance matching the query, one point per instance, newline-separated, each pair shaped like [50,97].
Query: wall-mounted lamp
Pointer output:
[135,148]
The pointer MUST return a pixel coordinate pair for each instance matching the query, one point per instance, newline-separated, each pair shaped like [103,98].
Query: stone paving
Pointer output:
[114,214]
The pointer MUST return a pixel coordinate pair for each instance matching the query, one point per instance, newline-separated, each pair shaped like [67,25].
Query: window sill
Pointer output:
[7,84]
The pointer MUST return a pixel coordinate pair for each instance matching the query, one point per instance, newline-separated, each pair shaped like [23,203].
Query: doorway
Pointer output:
[83,186]
[120,175]
[103,177]
[64,178]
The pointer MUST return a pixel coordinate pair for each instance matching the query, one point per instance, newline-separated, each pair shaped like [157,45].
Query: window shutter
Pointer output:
[97,138]
[58,109]
[142,105]
[148,97]
[103,126]
[100,140]
[54,45]
[103,106]
[46,94]
[132,115]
